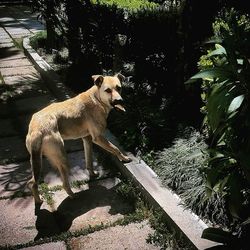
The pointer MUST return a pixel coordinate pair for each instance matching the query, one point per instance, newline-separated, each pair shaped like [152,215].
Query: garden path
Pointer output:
[22,92]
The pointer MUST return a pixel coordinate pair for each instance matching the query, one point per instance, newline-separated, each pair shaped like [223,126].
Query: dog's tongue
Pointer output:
[118,106]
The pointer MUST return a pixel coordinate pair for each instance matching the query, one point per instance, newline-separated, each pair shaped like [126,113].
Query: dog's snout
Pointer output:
[118,101]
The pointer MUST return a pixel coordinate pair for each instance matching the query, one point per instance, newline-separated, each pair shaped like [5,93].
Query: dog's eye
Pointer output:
[108,91]
[118,88]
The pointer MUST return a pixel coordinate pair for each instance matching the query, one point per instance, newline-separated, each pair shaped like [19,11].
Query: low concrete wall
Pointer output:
[181,219]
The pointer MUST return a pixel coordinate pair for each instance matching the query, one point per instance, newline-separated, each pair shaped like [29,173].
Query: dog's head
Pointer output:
[109,88]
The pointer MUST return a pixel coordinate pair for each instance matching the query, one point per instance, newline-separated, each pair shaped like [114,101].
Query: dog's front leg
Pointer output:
[88,152]
[107,145]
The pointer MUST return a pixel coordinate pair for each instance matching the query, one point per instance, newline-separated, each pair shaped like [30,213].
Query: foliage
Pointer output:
[127,4]
[181,167]
[39,40]
[132,194]
[165,236]
[51,11]
[226,95]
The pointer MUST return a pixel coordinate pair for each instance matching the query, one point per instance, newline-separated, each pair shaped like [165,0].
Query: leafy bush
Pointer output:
[226,88]
[39,40]
[127,4]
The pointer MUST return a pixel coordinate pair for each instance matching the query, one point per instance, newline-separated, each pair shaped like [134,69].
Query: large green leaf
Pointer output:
[220,50]
[223,73]
[218,102]
[217,235]
[235,104]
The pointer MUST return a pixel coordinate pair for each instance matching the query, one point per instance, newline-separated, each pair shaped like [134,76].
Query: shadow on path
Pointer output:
[52,223]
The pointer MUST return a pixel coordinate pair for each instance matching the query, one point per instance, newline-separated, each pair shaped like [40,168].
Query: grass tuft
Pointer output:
[181,167]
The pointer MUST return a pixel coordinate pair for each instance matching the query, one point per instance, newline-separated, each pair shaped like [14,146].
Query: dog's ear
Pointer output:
[98,79]
[120,77]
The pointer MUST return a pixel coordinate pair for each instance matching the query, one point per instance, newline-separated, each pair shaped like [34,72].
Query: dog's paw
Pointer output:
[72,196]
[93,174]
[38,201]
[126,159]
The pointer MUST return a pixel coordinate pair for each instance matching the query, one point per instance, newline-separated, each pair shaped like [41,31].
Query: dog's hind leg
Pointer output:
[33,182]
[33,144]
[53,149]
[88,151]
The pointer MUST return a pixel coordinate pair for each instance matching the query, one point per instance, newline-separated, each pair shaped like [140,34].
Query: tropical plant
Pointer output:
[225,74]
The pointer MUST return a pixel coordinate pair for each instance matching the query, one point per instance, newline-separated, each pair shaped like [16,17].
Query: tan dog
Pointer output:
[83,116]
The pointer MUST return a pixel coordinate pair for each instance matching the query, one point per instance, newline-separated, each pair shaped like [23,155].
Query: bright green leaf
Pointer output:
[209,74]
[218,51]
[236,103]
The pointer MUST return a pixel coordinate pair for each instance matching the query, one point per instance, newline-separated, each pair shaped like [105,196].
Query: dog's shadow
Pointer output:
[53,223]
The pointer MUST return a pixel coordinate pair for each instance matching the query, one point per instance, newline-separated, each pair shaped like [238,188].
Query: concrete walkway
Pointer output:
[22,92]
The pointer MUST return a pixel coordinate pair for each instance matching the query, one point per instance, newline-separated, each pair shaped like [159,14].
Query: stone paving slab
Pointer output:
[23,79]
[78,171]
[132,237]
[32,25]
[17,63]
[21,35]
[7,39]
[6,45]
[17,226]
[4,35]
[15,88]
[6,19]
[23,70]
[8,128]
[15,28]
[11,54]
[3,32]
[14,24]
[60,245]
[13,149]
[94,203]
[14,176]
[31,104]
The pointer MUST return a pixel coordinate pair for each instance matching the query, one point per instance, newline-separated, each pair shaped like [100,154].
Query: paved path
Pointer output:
[22,92]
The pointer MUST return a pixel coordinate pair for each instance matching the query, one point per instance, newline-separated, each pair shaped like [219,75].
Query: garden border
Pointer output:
[181,219]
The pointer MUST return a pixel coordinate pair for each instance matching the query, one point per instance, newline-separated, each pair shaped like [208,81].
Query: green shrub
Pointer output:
[225,83]
[127,4]
[39,40]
